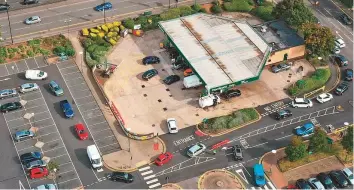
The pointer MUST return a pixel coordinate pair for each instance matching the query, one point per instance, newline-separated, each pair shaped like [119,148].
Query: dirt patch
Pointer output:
[207,7]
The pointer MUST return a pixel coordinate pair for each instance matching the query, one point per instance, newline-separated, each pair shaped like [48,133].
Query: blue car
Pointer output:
[151,60]
[305,130]
[67,109]
[22,135]
[259,175]
[104,6]
[348,74]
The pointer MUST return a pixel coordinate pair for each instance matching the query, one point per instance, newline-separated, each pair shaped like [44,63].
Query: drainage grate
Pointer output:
[164,109]
[145,95]
[159,100]
[167,89]
[142,86]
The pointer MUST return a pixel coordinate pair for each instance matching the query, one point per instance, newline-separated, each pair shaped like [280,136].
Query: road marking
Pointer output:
[36,62]
[155,185]
[271,185]
[184,140]
[253,188]
[284,137]
[85,103]
[149,177]
[106,137]
[69,180]
[244,143]
[145,168]
[148,172]
[107,145]
[101,130]
[152,181]
[98,123]
[65,172]
[242,175]
[83,96]
[49,150]
[26,119]
[258,145]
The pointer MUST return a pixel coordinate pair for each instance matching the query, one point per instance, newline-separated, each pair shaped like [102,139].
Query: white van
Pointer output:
[95,157]
[191,81]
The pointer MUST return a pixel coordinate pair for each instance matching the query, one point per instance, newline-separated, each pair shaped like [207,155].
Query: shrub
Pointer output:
[70,51]
[141,20]
[2,60]
[296,150]
[44,52]
[203,10]
[10,50]
[196,7]
[59,50]
[36,50]
[35,42]
[185,10]
[237,6]
[22,48]
[128,23]
[216,9]
[301,84]
[250,2]
[11,55]
[24,56]
[347,140]
[170,14]
[89,61]
[264,12]
[30,53]
[3,52]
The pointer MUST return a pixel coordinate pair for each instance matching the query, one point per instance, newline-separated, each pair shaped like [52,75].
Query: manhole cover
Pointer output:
[164,109]
[167,89]
[153,125]
[145,95]
[159,100]
[142,86]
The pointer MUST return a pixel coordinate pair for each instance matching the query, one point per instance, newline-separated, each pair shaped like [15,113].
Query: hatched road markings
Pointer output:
[244,143]
[153,183]
[242,175]
[271,186]
[275,107]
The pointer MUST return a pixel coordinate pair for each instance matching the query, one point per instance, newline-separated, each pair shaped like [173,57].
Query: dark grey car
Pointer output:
[237,152]
[280,67]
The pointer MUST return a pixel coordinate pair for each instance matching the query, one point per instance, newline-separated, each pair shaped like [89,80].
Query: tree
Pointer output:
[319,40]
[347,140]
[296,150]
[294,12]
[319,141]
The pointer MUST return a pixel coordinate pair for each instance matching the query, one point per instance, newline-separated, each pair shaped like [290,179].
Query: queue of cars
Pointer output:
[332,180]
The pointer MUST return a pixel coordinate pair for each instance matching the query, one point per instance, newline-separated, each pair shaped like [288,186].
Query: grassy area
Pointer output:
[286,165]
[315,81]
[43,46]
[231,121]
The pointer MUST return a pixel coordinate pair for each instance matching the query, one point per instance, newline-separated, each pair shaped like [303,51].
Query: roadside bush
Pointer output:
[296,150]
[89,61]
[203,10]
[87,42]
[251,2]
[21,47]
[10,50]
[2,60]
[170,14]
[11,55]
[185,10]
[3,52]
[237,6]
[196,7]
[44,52]
[35,42]
[128,23]
[264,12]
[216,9]
[70,51]
[59,50]
[30,53]
[24,56]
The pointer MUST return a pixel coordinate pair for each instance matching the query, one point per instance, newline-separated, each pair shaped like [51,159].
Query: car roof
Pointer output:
[53,83]
[194,148]
[323,95]
[340,40]
[28,85]
[80,126]
[347,170]
[308,125]
[23,132]
[299,99]
[6,90]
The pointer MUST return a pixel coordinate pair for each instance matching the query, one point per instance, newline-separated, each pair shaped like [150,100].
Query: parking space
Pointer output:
[22,65]
[54,147]
[93,117]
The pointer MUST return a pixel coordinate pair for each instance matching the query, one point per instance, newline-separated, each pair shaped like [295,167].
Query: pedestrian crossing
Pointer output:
[151,180]
[270,184]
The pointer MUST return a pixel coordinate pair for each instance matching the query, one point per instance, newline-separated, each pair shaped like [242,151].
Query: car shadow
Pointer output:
[81,153]
[16,159]
[73,132]
[58,109]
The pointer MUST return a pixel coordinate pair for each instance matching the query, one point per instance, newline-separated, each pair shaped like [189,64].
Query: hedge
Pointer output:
[315,81]
[264,12]
[237,6]
[348,3]
[216,9]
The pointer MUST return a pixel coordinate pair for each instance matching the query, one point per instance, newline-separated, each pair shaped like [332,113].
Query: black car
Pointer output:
[4,7]
[348,74]
[283,114]
[28,2]
[30,157]
[346,19]
[231,93]
[237,152]
[338,178]
[151,60]
[121,176]
[341,60]
[281,67]
[325,180]
[171,79]
[342,88]
[10,106]
[149,74]
[302,184]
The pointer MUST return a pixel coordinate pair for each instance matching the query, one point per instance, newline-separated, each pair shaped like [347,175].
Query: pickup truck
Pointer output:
[67,109]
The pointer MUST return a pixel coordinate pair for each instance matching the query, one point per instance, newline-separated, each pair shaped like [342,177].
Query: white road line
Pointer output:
[24,118]
[58,156]
[7,71]
[148,172]
[52,141]
[266,188]
[65,172]
[155,185]
[75,79]
[258,145]
[87,103]
[94,116]
[26,108]
[27,65]
[271,185]
[246,170]
[67,67]
[74,84]
[36,62]
[105,138]
[17,67]
[98,123]
[47,134]
[79,90]
[101,130]
[91,109]
[152,181]
[253,188]
[284,137]
[55,149]
[107,145]
[70,180]
[69,73]
[143,169]
[25,148]
[23,169]
[149,177]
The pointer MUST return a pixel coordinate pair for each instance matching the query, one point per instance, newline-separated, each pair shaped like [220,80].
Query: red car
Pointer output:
[37,173]
[163,158]
[81,131]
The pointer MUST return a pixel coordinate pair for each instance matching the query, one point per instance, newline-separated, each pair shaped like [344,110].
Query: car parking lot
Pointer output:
[22,65]
[89,109]
[54,147]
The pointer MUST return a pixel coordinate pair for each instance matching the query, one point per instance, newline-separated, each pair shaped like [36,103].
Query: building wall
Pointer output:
[293,53]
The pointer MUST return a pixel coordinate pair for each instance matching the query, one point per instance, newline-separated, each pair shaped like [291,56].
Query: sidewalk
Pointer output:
[141,152]
[335,77]
[269,161]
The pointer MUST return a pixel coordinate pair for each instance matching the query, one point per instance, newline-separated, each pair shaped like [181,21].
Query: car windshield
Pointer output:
[328,181]
[351,176]
[81,131]
[41,74]
[56,88]
[96,161]
[173,128]
[260,178]
[238,150]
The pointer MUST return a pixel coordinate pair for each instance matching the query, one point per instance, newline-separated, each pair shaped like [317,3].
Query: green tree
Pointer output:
[347,140]
[319,141]
[296,149]
[319,40]
[294,12]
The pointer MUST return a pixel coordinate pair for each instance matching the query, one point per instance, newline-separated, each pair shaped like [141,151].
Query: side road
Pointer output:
[134,153]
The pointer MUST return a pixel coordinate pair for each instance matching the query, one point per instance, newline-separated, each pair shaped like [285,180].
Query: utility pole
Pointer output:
[8,18]
[104,11]
[176,3]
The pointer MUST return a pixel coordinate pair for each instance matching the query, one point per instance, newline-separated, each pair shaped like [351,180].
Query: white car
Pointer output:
[325,97]
[28,87]
[33,20]
[36,75]
[172,125]
[339,43]
[349,175]
[316,184]
[46,186]
[301,103]
[195,150]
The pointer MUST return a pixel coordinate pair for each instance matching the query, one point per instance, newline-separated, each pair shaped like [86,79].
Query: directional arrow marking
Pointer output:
[185,164]
[242,175]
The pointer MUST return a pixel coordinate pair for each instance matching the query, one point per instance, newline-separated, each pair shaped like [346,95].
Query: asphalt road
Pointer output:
[18,4]
[68,14]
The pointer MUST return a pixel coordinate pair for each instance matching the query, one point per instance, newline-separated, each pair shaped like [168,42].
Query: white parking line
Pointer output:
[65,172]
[284,137]
[105,137]
[7,75]
[91,110]
[98,123]
[65,164]
[86,103]
[84,96]
[54,149]
[101,130]
[26,108]
[52,141]
[75,79]
[74,84]
[36,62]
[69,73]
[17,67]
[67,67]
[25,148]
[24,118]
[47,134]
[107,145]
[70,180]
[95,116]
[58,156]
[27,65]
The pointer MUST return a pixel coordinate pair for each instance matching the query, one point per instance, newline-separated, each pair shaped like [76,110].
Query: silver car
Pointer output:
[315,183]
[33,20]
[7,93]
[280,67]
[28,87]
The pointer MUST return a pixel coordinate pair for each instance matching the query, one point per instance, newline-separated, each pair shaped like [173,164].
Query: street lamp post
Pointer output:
[128,129]
[81,57]
[274,152]
[104,11]
[67,24]
[8,18]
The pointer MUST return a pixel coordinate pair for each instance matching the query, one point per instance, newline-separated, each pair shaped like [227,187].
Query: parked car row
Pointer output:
[332,180]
